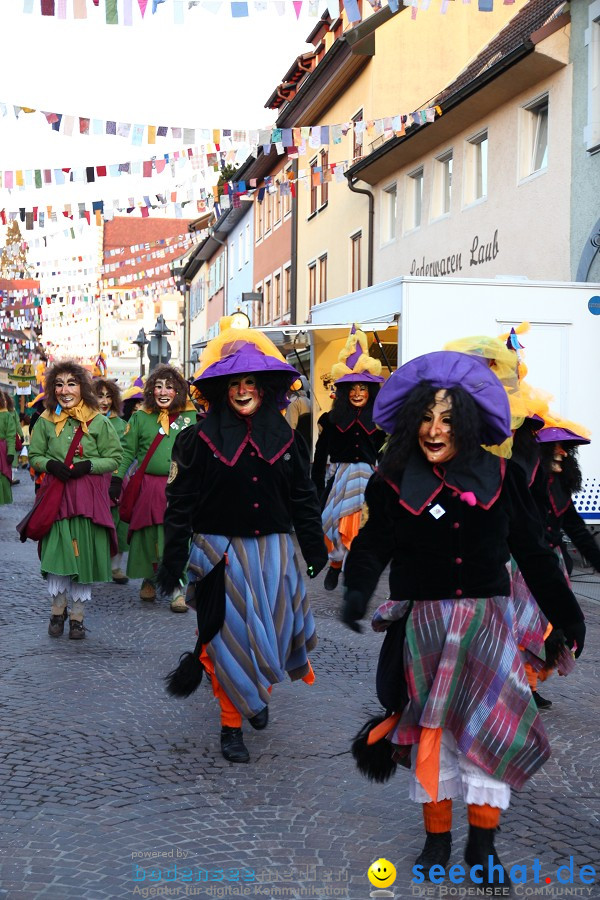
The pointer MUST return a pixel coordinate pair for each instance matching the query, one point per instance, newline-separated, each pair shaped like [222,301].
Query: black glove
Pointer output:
[315,567]
[81,468]
[166,582]
[9,459]
[575,634]
[114,491]
[353,608]
[58,469]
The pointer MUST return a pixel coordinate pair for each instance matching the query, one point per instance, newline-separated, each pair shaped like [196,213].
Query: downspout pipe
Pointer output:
[294,254]
[370,228]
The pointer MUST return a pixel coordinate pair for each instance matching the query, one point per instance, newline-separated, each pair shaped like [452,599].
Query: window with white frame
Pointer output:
[591,131]
[247,247]
[287,197]
[287,289]
[442,184]
[240,249]
[231,248]
[533,150]
[413,212]
[389,209]
[312,284]
[476,168]
[267,296]
[323,278]
[355,261]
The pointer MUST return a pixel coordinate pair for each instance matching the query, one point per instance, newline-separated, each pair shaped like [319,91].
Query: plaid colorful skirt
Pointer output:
[269,627]
[464,673]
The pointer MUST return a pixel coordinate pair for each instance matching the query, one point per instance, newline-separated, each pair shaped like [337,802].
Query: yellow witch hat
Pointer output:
[354,363]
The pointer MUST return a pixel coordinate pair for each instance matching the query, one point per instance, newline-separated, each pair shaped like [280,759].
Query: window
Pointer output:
[414,200]
[312,285]
[247,247]
[267,311]
[443,184]
[287,287]
[268,211]
[388,213]
[240,249]
[313,187]
[323,278]
[258,313]
[476,168]
[277,296]
[259,219]
[277,202]
[591,131]
[324,184]
[355,249]
[357,138]
[287,198]
[231,249]
[534,137]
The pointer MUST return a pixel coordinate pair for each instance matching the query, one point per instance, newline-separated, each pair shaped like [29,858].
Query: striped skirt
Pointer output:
[346,498]
[464,673]
[269,627]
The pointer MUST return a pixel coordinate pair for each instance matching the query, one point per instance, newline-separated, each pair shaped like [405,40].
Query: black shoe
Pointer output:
[261,719]
[540,701]
[436,851]
[76,630]
[16,481]
[56,626]
[331,579]
[232,745]
[479,849]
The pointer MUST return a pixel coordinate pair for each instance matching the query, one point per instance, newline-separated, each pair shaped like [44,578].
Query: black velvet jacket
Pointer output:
[441,546]
[357,440]
[559,514]
[241,477]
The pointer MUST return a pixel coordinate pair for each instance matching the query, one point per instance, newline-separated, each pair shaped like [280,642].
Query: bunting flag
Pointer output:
[238,8]
[234,140]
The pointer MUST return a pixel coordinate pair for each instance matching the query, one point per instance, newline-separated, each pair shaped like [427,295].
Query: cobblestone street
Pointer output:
[104,779]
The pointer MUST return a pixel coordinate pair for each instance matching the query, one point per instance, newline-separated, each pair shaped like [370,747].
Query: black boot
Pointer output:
[331,579]
[261,719]
[232,745]
[541,702]
[436,851]
[479,849]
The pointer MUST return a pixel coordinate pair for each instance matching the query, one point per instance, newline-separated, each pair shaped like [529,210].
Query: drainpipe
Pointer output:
[370,230]
[294,249]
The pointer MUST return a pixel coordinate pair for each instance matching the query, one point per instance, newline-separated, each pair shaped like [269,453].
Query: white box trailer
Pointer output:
[417,315]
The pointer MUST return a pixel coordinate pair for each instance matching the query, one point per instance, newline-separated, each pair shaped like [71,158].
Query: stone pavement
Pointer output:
[107,784]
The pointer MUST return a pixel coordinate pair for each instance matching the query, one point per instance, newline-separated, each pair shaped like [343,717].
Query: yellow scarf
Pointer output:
[163,415]
[81,413]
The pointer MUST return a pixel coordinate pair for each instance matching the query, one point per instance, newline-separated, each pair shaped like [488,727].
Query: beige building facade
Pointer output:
[380,68]
[484,191]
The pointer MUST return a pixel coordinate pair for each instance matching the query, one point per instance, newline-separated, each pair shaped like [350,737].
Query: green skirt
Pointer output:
[79,548]
[5,491]
[145,551]
[122,528]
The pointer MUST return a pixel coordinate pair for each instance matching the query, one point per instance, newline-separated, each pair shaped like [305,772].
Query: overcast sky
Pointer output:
[213,72]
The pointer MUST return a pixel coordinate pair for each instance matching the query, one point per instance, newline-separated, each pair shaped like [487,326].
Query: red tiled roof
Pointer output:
[125,232]
[515,33]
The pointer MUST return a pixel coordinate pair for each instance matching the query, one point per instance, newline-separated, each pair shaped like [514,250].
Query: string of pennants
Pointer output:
[232,193]
[283,139]
[239,9]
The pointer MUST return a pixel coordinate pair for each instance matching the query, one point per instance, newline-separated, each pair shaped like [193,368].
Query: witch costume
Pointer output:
[350,441]
[467,722]
[239,484]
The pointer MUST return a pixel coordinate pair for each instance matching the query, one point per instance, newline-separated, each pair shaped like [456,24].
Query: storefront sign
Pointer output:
[480,252]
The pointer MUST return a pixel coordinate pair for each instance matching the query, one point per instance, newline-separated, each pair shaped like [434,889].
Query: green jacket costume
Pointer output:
[8,433]
[119,425]
[76,546]
[146,543]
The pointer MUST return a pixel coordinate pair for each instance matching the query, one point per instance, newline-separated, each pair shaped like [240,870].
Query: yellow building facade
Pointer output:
[395,64]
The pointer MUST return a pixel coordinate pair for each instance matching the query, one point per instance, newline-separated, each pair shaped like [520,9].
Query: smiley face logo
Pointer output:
[381,873]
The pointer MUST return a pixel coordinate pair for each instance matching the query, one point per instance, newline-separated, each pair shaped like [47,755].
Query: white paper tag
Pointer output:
[437,511]
[161,430]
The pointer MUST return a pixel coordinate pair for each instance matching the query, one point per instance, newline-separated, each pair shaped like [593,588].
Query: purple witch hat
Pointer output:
[246,359]
[552,434]
[363,367]
[448,369]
